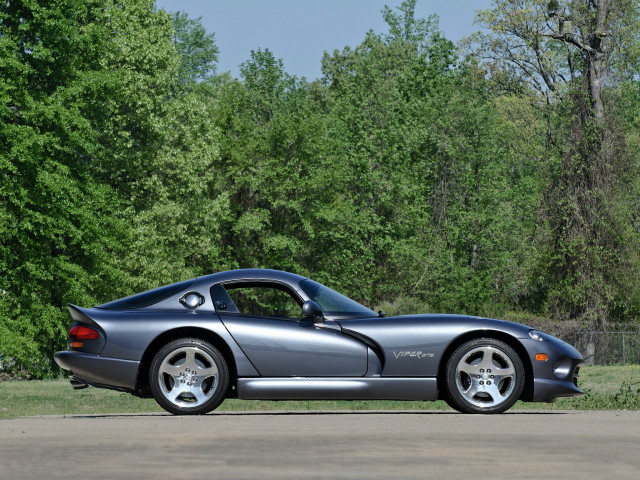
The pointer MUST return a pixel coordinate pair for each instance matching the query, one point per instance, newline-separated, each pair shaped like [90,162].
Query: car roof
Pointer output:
[257,274]
[168,294]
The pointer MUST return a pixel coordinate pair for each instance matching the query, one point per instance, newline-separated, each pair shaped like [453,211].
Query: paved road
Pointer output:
[371,445]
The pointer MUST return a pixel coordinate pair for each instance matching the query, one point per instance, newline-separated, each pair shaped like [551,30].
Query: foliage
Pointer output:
[57,239]
[196,49]
[408,176]
[627,398]
[569,52]
[86,118]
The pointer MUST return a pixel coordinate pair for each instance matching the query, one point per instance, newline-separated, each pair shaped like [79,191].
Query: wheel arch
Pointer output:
[142,382]
[527,392]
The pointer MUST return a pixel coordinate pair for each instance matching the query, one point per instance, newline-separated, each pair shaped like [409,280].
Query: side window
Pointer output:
[221,300]
[264,299]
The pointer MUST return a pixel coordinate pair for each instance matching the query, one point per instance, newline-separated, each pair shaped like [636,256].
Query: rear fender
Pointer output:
[81,315]
[237,362]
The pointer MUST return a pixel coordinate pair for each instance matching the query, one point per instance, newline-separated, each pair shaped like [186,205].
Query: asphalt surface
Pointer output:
[371,445]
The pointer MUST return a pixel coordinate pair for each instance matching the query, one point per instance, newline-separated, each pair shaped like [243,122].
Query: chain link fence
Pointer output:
[619,345]
[607,348]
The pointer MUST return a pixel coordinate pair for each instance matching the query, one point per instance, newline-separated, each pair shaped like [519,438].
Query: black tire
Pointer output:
[484,376]
[189,376]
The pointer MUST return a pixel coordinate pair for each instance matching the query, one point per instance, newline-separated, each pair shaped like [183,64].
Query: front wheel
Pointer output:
[484,376]
[189,376]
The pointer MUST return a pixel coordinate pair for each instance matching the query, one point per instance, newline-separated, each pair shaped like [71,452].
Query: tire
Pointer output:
[484,376]
[189,376]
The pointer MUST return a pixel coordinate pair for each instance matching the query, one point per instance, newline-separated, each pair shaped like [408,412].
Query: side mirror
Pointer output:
[312,310]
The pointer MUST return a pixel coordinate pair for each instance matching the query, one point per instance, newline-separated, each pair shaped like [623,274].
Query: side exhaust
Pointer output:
[77,384]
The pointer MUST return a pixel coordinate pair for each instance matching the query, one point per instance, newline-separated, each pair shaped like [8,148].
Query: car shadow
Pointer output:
[272,413]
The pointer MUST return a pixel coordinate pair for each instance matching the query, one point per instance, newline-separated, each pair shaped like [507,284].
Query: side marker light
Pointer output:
[542,357]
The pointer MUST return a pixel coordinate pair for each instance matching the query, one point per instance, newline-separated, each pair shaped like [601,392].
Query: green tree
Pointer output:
[86,121]
[270,165]
[568,51]
[178,220]
[197,50]
[430,207]
[57,245]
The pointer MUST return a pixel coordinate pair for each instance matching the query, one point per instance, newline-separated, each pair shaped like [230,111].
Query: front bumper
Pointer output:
[557,375]
[547,390]
[103,371]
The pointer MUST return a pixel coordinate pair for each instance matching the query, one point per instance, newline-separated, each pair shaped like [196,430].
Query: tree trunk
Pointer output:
[596,58]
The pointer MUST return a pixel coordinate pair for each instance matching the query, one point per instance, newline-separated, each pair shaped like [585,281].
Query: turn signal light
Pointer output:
[80,332]
[77,344]
[542,357]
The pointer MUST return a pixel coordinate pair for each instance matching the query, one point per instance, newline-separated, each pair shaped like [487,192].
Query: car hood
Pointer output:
[415,323]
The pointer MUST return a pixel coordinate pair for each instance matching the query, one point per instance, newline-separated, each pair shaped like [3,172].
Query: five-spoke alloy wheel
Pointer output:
[189,376]
[484,376]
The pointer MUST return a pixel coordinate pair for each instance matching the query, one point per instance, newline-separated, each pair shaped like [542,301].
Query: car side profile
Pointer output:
[273,335]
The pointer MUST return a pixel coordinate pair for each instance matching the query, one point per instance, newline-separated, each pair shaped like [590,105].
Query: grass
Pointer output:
[607,387]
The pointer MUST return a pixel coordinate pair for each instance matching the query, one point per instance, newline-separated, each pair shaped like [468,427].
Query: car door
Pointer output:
[264,319]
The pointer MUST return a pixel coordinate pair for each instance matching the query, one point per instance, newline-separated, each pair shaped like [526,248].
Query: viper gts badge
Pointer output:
[412,353]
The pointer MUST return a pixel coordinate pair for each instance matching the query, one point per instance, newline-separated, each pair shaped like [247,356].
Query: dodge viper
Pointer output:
[273,335]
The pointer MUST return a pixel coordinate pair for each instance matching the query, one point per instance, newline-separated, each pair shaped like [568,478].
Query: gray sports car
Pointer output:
[273,335]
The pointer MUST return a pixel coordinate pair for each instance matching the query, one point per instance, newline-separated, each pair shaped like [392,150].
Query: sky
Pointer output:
[300,31]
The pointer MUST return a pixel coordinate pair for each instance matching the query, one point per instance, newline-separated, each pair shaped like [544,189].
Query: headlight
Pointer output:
[536,335]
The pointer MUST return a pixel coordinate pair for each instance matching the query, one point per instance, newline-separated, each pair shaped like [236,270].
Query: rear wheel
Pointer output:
[484,376]
[189,376]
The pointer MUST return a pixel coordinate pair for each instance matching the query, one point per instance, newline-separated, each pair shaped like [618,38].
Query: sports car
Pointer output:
[273,335]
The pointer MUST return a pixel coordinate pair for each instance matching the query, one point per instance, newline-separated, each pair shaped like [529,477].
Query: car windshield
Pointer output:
[332,302]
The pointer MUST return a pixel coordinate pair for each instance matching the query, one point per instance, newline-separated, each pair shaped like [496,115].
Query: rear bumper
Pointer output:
[104,371]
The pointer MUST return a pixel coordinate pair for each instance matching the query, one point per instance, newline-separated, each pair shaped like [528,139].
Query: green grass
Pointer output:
[611,387]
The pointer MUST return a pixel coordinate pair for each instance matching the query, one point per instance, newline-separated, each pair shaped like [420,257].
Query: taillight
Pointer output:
[80,332]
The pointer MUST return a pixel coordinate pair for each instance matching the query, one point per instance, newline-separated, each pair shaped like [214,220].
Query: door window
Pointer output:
[263,300]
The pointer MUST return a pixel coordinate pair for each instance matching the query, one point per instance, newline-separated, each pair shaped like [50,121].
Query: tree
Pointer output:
[426,208]
[269,165]
[550,44]
[572,53]
[84,110]
[57,244]
[196,49]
